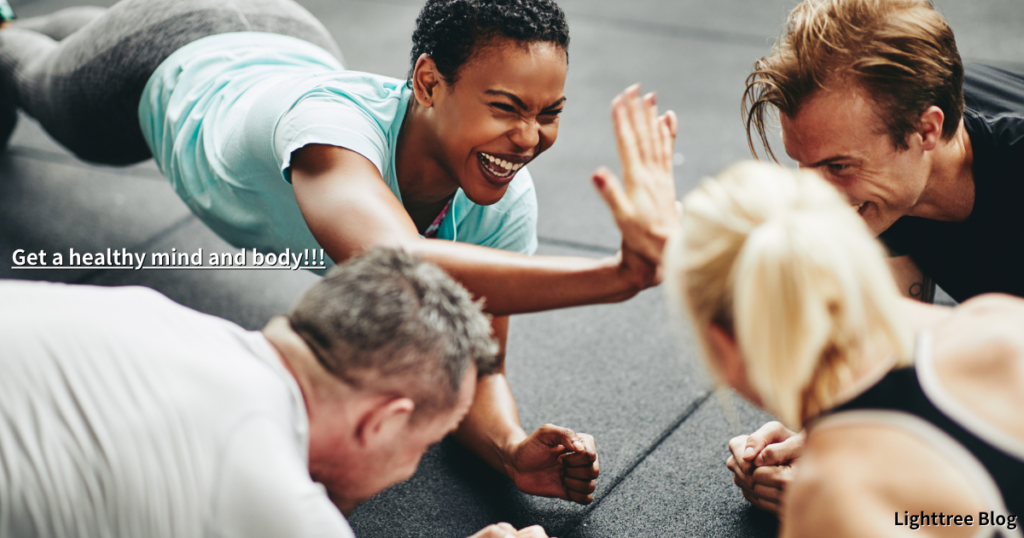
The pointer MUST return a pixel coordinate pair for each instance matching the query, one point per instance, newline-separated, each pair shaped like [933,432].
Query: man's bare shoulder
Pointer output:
[858,480]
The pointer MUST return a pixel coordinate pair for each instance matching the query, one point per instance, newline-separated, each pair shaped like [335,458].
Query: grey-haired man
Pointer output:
[125,414]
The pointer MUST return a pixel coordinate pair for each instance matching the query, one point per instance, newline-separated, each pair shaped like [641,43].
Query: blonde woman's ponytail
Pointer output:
[780,260]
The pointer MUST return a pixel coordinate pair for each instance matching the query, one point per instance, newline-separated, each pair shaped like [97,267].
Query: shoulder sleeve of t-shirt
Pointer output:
[991,90]
[330,119]
[510,224]
[264,488]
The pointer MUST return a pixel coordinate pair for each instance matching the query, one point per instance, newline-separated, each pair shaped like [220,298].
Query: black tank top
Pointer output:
[915,390]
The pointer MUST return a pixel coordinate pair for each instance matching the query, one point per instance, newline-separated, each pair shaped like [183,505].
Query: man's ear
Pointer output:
[929,127]
[426,81]
[386,423]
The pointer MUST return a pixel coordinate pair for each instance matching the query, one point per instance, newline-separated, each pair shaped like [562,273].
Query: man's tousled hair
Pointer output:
[901,52]
[389,321]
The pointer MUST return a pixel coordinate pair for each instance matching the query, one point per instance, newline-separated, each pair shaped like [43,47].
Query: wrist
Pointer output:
[633,272]
[507,452]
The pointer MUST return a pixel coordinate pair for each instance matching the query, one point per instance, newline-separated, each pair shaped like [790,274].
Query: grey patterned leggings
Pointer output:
[81,71]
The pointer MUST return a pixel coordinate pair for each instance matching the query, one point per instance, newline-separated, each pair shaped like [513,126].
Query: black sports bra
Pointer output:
[916,391]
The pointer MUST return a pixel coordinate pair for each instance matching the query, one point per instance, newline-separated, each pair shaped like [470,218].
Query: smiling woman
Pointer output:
[248,111]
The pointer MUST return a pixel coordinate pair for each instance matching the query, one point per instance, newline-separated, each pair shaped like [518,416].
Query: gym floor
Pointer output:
[625,373]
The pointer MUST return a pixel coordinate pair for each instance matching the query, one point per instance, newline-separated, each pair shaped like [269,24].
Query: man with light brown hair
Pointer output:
[873,95]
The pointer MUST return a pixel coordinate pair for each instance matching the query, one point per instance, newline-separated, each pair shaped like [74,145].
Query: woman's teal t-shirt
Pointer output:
[223,115]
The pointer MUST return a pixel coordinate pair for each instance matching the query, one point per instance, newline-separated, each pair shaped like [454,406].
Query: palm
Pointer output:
[644,203]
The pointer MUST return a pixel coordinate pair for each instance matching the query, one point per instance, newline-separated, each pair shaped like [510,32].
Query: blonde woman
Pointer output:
[908,427]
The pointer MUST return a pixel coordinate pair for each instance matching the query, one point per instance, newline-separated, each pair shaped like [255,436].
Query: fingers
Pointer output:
[776,477]
[585,456]
[639,121]
[672,122]
[738,446]
[536,531]
[653,128]
[579,497]
[741,470]
[580,470]
[753,447]
[665,153]
[584,487]
[580,481]
[501,530]
[743,481]
[766,492]
[770,433]
[773,432]
[765,487]
[625,134]
[585,459]
[667,130]
[638,128]
[763,503]
[760,495]
[552,435]
[610,189]
[782,452]
[504,530]
[584,470]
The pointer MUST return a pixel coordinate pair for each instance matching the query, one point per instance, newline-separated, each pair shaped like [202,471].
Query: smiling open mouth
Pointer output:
[861,208]
[498,167]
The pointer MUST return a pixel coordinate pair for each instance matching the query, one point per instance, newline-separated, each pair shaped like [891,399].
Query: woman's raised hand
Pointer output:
[644,203]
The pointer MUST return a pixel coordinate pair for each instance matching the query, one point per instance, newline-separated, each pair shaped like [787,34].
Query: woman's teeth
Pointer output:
[858,207]
[500,167]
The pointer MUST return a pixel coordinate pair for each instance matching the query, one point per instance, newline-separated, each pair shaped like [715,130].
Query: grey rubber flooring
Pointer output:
[627,373]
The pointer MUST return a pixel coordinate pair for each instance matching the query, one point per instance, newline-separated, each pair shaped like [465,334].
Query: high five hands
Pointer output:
[644,203]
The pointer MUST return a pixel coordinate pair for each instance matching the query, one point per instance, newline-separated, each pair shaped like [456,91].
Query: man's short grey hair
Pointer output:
[389,321]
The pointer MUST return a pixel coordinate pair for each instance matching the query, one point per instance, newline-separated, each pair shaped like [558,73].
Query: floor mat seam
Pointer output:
[665,434]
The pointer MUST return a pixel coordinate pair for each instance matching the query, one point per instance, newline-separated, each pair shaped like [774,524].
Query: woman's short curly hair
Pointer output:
[450,31]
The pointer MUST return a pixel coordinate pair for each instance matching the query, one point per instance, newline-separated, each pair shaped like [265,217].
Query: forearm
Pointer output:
[351,211]
[513,283]
[491,428]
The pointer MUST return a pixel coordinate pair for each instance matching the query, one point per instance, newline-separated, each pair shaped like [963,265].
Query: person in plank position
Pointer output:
[126,414]
[873,95]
